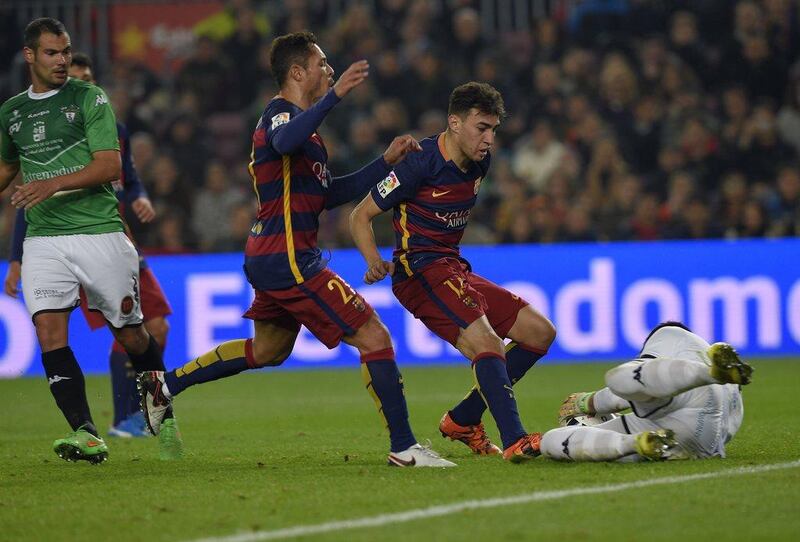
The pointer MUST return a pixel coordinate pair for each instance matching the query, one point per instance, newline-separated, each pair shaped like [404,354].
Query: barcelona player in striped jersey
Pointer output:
[432,194]
[283,263]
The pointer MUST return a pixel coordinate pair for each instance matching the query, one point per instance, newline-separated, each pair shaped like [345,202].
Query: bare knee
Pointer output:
[134,339]
[271,345]
[489,342]
[371,337]
[533,329]
[266,354]
[158,328]
[51,331]
[478,338]
[545,333]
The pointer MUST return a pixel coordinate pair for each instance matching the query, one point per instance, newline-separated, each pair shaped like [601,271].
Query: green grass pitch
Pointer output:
[273,450]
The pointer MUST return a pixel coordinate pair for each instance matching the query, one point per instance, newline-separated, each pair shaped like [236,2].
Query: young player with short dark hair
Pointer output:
[432,194]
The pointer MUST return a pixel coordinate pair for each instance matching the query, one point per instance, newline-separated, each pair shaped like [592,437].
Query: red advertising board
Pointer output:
[159,34]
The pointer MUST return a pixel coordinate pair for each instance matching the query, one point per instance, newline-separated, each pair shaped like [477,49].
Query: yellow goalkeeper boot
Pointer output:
[655,445]
[726,365]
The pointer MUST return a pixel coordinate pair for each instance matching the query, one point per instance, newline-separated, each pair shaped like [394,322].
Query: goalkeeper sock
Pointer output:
[385,384]
[228,359]
[604,401]
[495,387]
[68,387]
[645,380]
[519,359]
[586,444]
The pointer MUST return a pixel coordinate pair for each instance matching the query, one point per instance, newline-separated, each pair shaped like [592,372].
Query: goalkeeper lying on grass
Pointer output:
[685,396]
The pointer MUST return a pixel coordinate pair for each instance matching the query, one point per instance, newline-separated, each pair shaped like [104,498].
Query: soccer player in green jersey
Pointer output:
[61,133]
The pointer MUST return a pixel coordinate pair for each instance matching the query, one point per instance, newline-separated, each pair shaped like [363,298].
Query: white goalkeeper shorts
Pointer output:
[106,265]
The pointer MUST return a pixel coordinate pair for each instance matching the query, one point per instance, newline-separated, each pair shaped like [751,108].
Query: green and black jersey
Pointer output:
[55,133]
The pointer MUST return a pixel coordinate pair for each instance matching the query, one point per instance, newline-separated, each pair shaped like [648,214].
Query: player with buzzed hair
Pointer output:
[283,263]
[432,194]
[61,134]
[128,421]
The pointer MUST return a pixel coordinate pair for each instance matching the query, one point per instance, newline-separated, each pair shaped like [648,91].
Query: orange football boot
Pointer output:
[524,449]
[473,436]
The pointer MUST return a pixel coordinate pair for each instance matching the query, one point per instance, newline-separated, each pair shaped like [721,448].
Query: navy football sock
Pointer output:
[495,387]
[518,360]
[228,359]
[68,387]
[385,384]
[123,386]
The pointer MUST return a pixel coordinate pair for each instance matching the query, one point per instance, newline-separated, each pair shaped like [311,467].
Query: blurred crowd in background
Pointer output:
[627,120]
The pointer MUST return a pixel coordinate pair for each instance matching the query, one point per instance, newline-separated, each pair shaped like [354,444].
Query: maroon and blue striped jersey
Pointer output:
[432,200]
[293,186]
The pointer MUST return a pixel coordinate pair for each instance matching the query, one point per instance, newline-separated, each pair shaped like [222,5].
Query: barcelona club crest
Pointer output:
[70,111]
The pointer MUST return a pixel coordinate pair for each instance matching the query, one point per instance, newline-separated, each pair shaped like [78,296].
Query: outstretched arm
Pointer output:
[288,136]
[353,186]
[364,238]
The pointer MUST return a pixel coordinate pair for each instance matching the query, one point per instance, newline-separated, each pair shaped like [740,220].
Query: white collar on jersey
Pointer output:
[42,95]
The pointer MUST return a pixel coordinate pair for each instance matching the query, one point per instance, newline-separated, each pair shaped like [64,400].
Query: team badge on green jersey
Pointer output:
[70,112]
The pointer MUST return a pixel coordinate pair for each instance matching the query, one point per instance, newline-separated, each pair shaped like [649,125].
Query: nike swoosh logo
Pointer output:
[92,443]
[56,378]
[436,194]
[400,463]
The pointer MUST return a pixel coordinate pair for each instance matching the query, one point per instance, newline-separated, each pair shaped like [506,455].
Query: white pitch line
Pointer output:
[447,509]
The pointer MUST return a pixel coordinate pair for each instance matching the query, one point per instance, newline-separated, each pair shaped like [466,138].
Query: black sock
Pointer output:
[123,386]
[68,387]
[149,360]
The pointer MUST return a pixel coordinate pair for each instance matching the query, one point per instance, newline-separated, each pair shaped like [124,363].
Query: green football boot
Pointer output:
[655,445]
[81,445]
[170,445]
[726,365]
